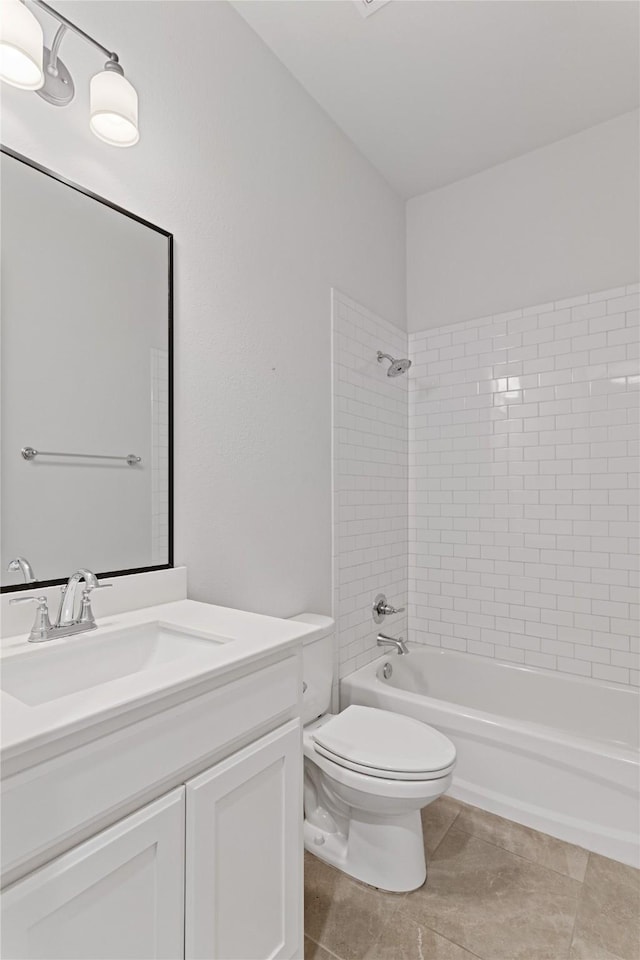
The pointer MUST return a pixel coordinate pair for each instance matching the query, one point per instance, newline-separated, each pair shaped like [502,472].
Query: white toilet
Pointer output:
[367,775]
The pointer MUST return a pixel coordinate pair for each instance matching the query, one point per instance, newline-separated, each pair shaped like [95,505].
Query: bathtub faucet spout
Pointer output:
[400,645]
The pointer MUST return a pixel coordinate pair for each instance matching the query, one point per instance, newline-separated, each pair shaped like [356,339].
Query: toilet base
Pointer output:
[388,855]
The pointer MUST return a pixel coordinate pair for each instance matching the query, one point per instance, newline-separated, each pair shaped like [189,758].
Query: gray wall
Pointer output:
[270,206]
[550,224]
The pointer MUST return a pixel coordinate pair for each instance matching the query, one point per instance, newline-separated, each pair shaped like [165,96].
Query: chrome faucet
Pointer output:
[67,606]
[397,642]
[67,622]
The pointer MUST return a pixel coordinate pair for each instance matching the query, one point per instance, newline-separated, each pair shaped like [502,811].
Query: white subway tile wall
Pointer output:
[523,485]
[370,480]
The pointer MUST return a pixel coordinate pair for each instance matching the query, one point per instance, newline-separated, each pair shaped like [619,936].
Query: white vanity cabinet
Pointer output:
[243,858]
[177,836]
[119,895]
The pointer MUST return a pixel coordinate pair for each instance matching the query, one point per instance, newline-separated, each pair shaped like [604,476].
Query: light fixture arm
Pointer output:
[55,46]
[70,25]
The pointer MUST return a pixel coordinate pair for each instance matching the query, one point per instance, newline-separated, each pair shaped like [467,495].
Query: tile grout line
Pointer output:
[322,946]
[578,898]
[520,856]
[439,841]
[524,826]
[511,853]
[425,926]
[403,901]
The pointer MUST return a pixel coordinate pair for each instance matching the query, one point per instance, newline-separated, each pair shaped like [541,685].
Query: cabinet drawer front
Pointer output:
[244,853]
[57,800]
[119,895]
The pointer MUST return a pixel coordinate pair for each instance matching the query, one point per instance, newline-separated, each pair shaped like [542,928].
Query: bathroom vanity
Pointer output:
[151,792]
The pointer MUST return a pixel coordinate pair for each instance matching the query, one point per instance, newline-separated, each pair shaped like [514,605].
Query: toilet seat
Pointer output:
[385,745]
[375,787]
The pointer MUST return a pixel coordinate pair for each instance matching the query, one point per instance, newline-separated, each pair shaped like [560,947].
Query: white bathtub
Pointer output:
[555,752]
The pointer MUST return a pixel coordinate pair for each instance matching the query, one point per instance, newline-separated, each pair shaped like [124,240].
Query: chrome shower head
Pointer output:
[396,367]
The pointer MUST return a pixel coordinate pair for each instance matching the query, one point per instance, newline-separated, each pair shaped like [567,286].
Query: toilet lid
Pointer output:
[385,743]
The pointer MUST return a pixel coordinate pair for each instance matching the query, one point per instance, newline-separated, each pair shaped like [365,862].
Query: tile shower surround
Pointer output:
[370,477]
[522,484]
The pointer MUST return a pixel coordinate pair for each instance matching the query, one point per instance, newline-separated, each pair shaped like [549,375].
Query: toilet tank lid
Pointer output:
[324,626]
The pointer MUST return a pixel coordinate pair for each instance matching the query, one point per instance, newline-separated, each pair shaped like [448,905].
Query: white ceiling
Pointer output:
[432,91]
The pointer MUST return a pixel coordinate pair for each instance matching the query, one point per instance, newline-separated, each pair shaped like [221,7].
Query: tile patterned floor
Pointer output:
[495,891]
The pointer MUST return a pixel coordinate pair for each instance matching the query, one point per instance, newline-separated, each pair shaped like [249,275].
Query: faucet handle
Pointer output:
[86,613]
[41,629]
[382,608]
[42,601]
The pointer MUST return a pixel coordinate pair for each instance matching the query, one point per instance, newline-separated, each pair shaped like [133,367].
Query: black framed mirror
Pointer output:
[86,449]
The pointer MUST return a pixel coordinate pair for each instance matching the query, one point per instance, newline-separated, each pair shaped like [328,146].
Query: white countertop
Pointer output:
[46,727]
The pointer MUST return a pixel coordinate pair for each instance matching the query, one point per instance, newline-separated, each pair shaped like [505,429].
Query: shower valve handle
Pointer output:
[386,609]
[381,608]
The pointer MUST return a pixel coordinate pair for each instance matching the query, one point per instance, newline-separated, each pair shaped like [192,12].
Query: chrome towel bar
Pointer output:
[29,453]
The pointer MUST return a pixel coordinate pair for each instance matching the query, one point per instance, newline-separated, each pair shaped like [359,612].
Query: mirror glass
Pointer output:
[86,446]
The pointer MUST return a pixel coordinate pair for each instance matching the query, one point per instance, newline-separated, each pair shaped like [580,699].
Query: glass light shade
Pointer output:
[21,43]
[114,109]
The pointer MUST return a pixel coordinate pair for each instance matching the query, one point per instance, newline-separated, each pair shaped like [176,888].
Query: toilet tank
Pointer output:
[317,665]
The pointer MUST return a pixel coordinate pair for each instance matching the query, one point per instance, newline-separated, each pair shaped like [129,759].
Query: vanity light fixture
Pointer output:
[21,44]
[26,63]
[114,107]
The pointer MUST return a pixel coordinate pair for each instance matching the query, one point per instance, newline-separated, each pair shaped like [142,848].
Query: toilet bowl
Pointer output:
[367,774]
[363,798]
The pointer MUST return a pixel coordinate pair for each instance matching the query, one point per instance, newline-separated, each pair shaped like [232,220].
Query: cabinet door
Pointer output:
[119,895]
[244,854]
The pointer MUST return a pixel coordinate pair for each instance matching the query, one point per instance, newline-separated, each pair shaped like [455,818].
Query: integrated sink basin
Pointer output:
[137,664]
[92,659]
